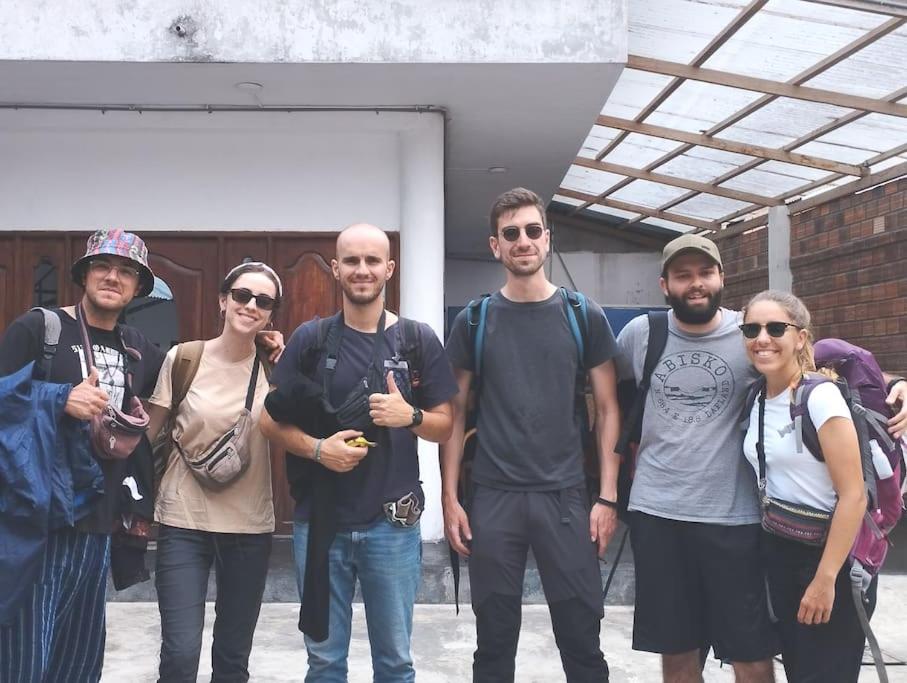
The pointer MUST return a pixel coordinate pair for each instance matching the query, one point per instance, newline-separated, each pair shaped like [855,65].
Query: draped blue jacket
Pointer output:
[48,477]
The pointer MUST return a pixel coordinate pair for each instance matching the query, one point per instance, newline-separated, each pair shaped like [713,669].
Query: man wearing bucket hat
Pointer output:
[55,630]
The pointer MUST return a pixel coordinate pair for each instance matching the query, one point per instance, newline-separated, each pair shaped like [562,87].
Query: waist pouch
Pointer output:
[795,522]
[225,461]
[353,413]
[114,434]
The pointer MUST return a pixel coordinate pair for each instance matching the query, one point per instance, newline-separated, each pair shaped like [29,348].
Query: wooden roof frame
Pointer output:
[771,91]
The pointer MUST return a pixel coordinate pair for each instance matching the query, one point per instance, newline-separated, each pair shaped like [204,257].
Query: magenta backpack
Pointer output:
[862,384]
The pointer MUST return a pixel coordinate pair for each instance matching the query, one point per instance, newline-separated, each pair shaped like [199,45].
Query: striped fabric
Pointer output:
[58,635]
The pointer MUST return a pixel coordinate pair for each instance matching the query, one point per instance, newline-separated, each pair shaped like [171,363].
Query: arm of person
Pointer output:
[392,410]
[456,521]
[841,450]
[897,398]
[332,452]
[157,418]
[603,518]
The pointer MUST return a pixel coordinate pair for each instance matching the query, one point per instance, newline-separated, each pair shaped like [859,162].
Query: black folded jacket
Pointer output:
[299,402]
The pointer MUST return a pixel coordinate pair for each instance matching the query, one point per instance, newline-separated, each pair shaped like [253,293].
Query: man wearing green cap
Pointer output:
[696,518]
[54,630]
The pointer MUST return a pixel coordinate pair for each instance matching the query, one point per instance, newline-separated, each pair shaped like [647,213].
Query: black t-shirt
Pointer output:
[23,342]
[528,430]
[385,473]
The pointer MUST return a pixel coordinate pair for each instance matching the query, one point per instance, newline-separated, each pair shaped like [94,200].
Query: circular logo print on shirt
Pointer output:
[691,386]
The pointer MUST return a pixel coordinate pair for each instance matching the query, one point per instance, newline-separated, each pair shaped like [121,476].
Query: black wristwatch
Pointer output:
[417,418]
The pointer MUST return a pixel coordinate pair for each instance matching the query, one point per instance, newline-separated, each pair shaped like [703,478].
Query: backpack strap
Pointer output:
[476,312]
[657,341]
[183,371]
[409,348]
[577,316]
[805,433]
[52,329]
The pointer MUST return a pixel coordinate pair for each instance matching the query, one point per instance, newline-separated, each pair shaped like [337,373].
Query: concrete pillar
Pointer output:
[779,273]
[422,267]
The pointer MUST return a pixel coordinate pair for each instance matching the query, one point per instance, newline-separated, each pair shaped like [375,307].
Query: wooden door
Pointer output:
[8,298]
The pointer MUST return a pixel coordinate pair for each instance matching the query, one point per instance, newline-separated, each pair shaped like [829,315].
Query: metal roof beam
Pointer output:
[726,145]
[636,208]
[891,8]
[652,177]
[865,183]
[764,85]
[723,36]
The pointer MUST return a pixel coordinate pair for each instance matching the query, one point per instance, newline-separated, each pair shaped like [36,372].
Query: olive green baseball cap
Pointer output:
[690,242]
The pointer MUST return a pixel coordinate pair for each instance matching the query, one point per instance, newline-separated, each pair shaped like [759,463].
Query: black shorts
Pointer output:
[700,585]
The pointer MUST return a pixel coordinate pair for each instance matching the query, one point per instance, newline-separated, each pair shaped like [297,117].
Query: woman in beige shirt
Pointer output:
[229,526]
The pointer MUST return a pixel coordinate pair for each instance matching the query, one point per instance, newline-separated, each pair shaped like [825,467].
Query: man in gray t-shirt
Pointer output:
[528,481]
[694,511]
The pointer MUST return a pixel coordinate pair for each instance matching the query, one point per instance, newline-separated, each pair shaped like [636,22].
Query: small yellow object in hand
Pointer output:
[360,442]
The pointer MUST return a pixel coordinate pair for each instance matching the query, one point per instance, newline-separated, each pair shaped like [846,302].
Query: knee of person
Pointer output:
[498,619]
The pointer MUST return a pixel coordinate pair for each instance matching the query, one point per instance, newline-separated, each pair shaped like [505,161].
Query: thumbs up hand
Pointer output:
[86,399]
[390,409]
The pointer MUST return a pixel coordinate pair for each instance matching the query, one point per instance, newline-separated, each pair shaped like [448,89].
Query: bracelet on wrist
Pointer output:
[607,503]
[317,455]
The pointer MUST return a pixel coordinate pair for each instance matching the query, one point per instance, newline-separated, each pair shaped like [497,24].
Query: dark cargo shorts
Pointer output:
[700,585]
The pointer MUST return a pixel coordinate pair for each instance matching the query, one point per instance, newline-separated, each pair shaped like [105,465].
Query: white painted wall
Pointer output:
[316,30]
[221,171]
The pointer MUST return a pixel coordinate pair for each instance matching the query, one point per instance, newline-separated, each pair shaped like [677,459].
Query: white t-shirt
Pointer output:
[792,476]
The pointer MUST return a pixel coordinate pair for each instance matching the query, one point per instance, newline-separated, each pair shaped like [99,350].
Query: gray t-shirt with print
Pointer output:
[690,464]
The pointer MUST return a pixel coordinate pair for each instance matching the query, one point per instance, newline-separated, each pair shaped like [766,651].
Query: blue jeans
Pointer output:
[387,560]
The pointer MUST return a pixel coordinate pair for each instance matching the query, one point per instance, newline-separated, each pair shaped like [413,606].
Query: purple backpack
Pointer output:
[863,387]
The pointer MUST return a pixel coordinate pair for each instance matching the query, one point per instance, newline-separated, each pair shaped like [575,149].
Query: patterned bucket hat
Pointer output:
[117,242]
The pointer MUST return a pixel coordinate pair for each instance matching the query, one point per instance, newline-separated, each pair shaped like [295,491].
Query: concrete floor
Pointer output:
[443,643]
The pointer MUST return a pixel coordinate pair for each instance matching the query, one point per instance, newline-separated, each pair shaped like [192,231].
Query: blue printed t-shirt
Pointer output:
[385,473]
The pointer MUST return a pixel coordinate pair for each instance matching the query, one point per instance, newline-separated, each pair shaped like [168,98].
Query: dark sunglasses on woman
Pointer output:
[242,296]
[774,329]
[512,233]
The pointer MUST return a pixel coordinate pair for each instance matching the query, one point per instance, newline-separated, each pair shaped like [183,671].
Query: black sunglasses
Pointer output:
[512,233]
[241,295]
[774,329]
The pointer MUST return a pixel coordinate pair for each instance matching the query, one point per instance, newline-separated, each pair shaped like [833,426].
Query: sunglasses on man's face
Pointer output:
[774,329]
[512,233]
[242,296]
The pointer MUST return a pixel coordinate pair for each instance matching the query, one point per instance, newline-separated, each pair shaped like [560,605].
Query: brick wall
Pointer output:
[849,265]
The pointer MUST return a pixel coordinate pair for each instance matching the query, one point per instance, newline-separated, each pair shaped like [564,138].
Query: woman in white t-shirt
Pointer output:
[809,587]
[231,526]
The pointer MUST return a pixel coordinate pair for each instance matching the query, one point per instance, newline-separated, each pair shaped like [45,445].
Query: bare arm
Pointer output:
[897,425]
[838,439]
[603,519]
[392,410]
[333,452]
[157,418]
[456,522]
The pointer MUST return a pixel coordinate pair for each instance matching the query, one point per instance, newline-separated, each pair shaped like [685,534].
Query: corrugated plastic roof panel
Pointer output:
[780,41]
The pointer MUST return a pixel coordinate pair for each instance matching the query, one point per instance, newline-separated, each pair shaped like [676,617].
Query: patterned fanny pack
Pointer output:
[795,522]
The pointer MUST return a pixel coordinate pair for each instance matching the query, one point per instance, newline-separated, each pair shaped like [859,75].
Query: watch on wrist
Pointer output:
[417,417]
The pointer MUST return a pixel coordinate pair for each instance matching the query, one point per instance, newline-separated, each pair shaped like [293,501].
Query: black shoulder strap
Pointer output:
[658,339]
[313,354]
